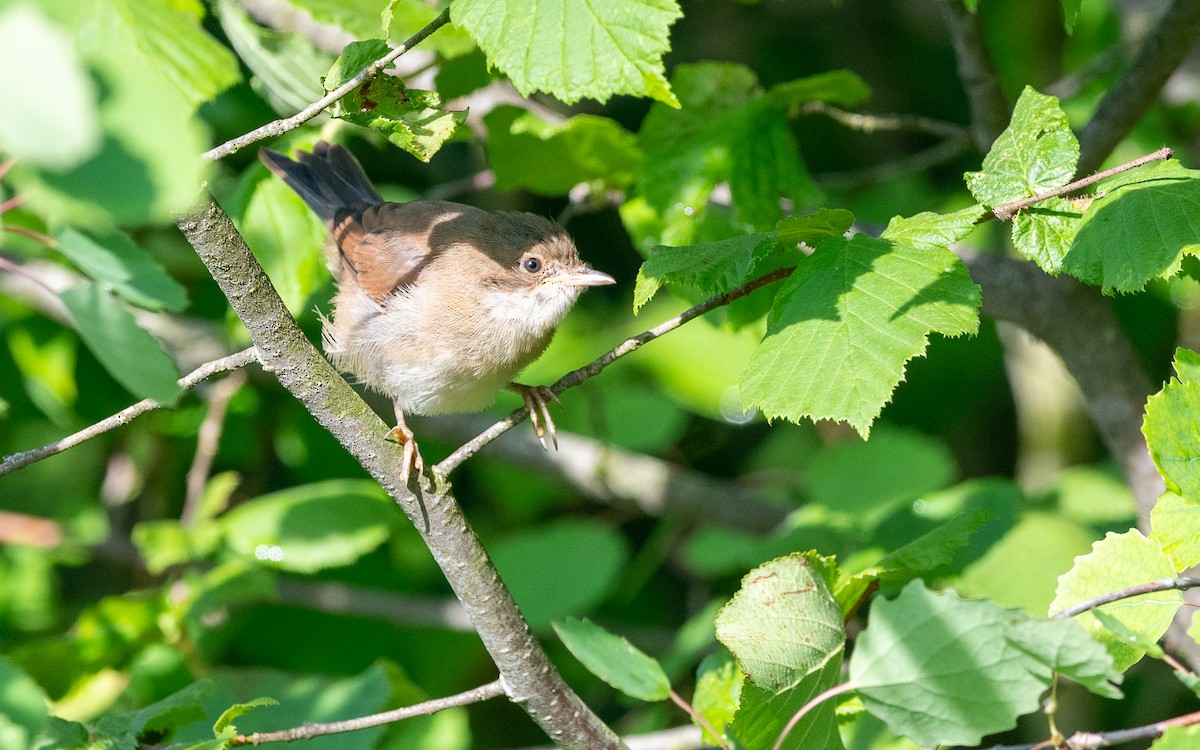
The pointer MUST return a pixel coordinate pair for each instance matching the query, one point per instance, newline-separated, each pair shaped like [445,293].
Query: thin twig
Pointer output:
[127,415]
[208,440]
[31,234]
[1162,584]
[279,127]
[873,123]
[11,203]
[1095,740]
[308,731]
[631,344]
[19,270]
[1006,211]
[7,166]
[817,700]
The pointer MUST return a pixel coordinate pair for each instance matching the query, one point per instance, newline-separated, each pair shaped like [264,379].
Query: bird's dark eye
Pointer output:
[532,265]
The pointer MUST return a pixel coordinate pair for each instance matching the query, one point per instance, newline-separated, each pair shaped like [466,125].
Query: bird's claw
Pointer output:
[537,403]
[412,455]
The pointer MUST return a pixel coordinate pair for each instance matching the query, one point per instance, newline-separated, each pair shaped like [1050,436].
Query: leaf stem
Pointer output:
[1162,584]
[820,698]
[691,711]
[1006,211]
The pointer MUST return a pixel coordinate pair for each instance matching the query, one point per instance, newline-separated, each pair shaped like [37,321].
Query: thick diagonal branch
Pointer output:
[529,677]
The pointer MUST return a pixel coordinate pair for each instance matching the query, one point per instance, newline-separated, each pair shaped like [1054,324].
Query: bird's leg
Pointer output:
[404,435]
[537,402]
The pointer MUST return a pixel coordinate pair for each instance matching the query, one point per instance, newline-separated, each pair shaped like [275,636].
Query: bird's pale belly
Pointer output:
[436,389]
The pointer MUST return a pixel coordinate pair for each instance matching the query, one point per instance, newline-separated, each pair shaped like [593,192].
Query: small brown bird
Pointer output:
[439,305]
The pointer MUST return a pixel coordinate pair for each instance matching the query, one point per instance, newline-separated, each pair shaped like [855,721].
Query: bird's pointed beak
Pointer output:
[584,277]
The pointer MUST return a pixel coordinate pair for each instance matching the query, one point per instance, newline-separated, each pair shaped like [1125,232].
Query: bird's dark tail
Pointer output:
[328,179]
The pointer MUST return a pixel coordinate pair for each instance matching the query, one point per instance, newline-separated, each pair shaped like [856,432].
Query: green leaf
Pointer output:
[762,715]
[846,323]
[1178,738]
[1116,562]
[413,120]
[170,713]
[712,268]
[718,692]
[1140,228]
[130,355]
[59,136]
[813,228]
[115,260]
[1065,648]
[362,19]
[1044,233]
[614,660]
[843,88]
[1172,427]
[225,721]
[783,624]
[60,734]
[560,569]
[23,703]
[1175,525]
[1036,153]
[311,527]
[933,552]
[575,50]
[287,67]
[525,151]
[156,36]
[922,661]
[932,231]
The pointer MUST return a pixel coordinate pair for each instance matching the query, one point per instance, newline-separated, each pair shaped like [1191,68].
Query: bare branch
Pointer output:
[279,127]
[530,679]
[874,123]
[1162,584]
[407,609]
[1095,740]
[127,415]
[1131,97]
[310,730]
[629,345]
[977,71]
[1007,211]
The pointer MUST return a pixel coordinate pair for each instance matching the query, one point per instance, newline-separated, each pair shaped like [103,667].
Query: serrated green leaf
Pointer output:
[718,692]
[923,658]
[525,151]
[783,623]
[933,552]
[176,710]
[560,569]
[1172,427]
[59,136]
[1036,153]
[575,50]
[1065,648]
[310,527]
[129,353]
[933,231]
[846,323]
[152,35]
[225,720]
[614,660]
[762,715]
[1139,228]
[1044,233]
[813,228]
[1116,562]
[115,260]
[1175,525]
[712,268]
[362,19]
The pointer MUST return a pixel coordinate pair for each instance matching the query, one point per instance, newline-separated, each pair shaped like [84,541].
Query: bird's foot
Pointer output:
[537,402]
[411,460]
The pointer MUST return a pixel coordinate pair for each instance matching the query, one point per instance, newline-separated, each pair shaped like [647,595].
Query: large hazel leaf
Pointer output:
[131,355]
[575,49]
[1065,648]
[785,629]
[846,323]
[1116,562]
[1140,228]
[943,670]
[1037,152]
[932,231]
[614,660]
[1175,525]
[525,151]
[1172,427]
[1044,233]
[712,268]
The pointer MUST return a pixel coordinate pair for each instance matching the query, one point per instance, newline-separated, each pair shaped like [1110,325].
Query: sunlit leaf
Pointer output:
[614,659]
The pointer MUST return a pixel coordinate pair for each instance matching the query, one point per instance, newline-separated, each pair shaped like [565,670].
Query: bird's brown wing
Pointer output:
[383,246]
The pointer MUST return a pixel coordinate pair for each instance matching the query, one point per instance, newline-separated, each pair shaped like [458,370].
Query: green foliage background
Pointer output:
[293,577]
